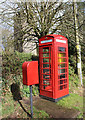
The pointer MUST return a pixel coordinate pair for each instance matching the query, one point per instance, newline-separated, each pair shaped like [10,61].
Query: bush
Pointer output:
[12,71]
[12,68]
[73,79]
[72,60]
[12,62]
[26,90]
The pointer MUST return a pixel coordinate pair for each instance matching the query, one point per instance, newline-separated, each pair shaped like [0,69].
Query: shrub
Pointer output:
[12,72]
[12,62]
[73,79]
[26,90]
[12,68]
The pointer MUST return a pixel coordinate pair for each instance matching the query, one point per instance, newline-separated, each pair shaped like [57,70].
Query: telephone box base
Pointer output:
[51,99]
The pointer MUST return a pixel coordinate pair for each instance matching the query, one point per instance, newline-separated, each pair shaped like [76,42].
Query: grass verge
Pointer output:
[12,109]
[73,101]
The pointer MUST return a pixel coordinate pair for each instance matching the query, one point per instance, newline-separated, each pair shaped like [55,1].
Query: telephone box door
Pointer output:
[46,84]
[62,71]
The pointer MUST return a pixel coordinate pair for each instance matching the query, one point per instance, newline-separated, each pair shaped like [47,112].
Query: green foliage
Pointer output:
[73,100]
[35,90]
[12,72]
[11,107]
[83,68]
[72,60]
[73,79]
[12,62]
[39,113]
[26,90]
[12,68]
[8,105]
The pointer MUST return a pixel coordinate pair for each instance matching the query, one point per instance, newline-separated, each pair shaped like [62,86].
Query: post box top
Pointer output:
[48,39]
[27,63]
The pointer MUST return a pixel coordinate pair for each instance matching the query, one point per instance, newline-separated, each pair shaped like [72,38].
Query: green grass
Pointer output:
[73,101]
[39,113]
[8,105]
[0,109]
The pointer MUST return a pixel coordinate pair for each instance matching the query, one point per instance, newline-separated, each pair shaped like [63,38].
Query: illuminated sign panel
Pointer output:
[62,41]
[46,41]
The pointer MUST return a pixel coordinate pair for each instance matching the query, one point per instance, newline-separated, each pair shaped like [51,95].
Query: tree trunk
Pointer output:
[78,47]
[18,33]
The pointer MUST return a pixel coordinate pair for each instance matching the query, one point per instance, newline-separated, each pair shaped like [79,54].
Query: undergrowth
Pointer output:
[12,74]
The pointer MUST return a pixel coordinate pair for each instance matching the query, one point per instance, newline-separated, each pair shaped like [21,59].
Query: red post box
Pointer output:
[53,57]
[30,73]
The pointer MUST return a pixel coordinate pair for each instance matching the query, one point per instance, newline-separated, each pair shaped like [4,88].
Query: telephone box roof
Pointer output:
[54,35]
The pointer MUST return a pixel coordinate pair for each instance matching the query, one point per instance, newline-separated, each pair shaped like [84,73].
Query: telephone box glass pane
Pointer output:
[61,49]
[46,71]
[46,83]
[46,65]
[46,49]
[61,65]
[61,60]
[45,54]
[61,76]
[62,55]
[62,81]
[62,68]
[46,76]
[45,59]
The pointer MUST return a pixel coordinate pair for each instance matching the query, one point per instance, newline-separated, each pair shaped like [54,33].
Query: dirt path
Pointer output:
[51,108]
[54,110]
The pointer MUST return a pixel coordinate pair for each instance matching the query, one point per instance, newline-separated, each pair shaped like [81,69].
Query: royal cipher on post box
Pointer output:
[30,73]
[53,62]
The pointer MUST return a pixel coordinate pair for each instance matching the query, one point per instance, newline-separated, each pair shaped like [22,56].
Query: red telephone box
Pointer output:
[53,57]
